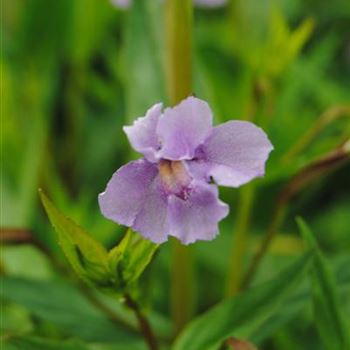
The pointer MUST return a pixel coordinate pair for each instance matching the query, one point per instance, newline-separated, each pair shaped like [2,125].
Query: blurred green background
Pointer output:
[73,72]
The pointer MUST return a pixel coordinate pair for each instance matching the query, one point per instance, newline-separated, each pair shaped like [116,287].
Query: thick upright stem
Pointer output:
[179,83]
[179,49]
[182,287]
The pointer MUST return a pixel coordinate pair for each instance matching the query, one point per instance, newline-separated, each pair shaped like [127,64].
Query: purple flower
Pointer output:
[210,3]
[124,4]
[170,192]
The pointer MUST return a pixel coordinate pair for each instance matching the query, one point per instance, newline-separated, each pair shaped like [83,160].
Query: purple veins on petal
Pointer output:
[175,177]
[197,217]
[170,191]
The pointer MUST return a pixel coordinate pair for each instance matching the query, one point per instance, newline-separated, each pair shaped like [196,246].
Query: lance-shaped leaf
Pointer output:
[330,320]
[33,343]
[300,300]
[64,306]
[242,315]
[130,257]
[109,272]
[87,256]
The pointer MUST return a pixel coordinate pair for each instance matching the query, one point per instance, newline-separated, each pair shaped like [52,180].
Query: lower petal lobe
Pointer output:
[197,217]
[127,190]
[152,219]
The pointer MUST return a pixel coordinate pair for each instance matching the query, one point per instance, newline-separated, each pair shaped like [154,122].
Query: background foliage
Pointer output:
[73,72]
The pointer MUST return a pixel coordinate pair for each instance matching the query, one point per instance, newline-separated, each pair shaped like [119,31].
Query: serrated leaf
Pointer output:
[87,256]
[330,320]
[242,315]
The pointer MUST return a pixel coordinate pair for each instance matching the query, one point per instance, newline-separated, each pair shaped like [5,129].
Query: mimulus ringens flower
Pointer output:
[124,4]
[170,192]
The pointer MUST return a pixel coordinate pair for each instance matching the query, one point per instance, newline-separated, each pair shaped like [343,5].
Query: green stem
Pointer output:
[309,173]
[144,325]
[179,79]
[179,49]
[240,240]
[182,290]
[328,117]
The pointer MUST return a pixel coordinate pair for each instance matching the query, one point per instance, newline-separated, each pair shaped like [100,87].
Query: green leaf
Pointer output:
[35,343]
[332,324]
[114,271]
[284,41]
[65,307]
[130,258]
[31,343]
[139,257]
[87,256]
[299,37]
[300,300]
[242,315]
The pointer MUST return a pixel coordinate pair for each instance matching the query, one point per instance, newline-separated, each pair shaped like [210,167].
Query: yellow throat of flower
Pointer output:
[174,176]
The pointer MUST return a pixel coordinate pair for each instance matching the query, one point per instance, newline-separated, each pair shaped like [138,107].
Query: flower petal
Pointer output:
[184,127]
[196,217]
[124,4]
[142,134]
[210,3]
[235,153]
[127,191]
[152,220]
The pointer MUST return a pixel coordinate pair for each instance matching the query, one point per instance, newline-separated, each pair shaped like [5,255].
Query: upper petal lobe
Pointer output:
[234,153]
[183,128]
[142,134]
